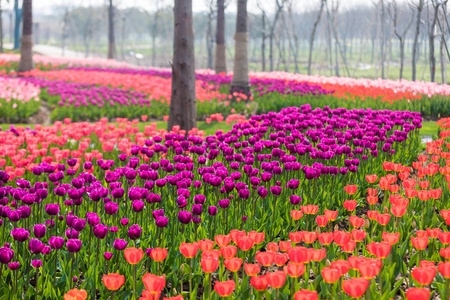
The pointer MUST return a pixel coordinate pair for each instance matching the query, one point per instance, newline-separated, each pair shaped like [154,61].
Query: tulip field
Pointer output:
[321,189]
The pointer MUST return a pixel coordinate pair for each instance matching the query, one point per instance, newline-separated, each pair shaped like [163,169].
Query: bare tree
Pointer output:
[431,37]
[111,36]
[313,34]
[419,7]
[209,33]
[26,46]
[383,38]
[294,34]
[88,32]
[443,42]
[272,26]
[241,81]
[401,35]
[64,31]
[220,58]
[183,103]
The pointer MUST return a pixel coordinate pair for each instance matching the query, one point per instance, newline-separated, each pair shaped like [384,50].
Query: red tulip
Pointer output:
[296,237]
[350,205]
[372,200]
[331,214]
[309,237]
[349,247]
[383,219]
[154,283]
[444,269]
[409,183]
[354,261]
[310,209]
[372,214]
[113,281]
[418,294]
[276,279]
[245,243]
[318,255]
[351,189]
[410,193]
[445,213]
[294,270]
[211,254]
[369,269]
[325,238]
[133,255]
[236,235]
[322,221]
[280,259]
[424,184]
[424,276]
[341,265]
[260,283]
[433,233]
[341,237]
[424,195]
[252,269]
[209,265]
[358,235]
[421,234]
[228,251]
[299,255]
[380,250]
[205,245]
[427,264]
[273,247]
[258,237]
[330,275]
[233,264]
[391,238]
[159,254]
[371,178]
[222,240]
[265,258]
[285,245]
[189,250]
[306,295]
[356,221]
[445,252]
[224,288]
[398,211]
[444,237]
[296,214]
[372,192]
[355,287]
[419,243]
[384,183]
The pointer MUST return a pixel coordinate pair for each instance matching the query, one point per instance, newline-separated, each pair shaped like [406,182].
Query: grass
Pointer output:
[429,128]
[210,129]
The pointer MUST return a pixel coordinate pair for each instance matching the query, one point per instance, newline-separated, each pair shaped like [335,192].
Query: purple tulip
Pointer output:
[20,234]
[108,255]
[36,263]
[73,245]
[184,217]
[56,242]
[39,230]
[120,244]
[6,255]
[100,231]
[134,232]
[212,210]
[36,246]
[161,222]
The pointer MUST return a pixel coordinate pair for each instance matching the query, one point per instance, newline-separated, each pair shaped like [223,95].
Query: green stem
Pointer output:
[71,271]
[134,281]
[190,276]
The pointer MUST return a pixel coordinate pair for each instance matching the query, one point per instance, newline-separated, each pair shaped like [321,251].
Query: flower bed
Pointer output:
[80,200]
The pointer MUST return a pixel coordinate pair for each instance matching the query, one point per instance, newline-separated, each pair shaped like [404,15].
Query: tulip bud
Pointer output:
[336,227]
[366,223]
[182,269]
[328,263]
[414,225]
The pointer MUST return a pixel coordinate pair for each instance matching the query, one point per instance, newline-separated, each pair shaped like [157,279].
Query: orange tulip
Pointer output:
[211,254]
[350,205]
[423,275]
[306,295]
[159,254]
[356,221]
[236,235]
[331,214]
[296,237]
[369,269]
[318,255]
[358,235]
[113,281]
[224,288]
[310,209]
[371,178]
[391,238]
[258,237]
[309,237]
[299,255]
[341,237]
[383,219]
[296,214]
[341,265]
[189,250]
[325,238]
[322,221]
[280,259]
[380,250]
[285,245]
[351,189]
[354,261]
[418,294]
[419,243]
[133,255]
[273,247]
[75,294]
[146,295]
[348,247]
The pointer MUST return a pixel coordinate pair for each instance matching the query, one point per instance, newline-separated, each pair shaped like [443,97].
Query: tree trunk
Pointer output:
[220,58]
[240,82]
[383,40]
[154,33]
[209,40]
[312,37]
[431,41]
[111,37]
[1,27]
[26,47]
[416,40]
[183,105]
[263,43]
[402,56]
[17,21]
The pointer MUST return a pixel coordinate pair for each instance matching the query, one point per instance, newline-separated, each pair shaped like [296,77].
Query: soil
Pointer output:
[42,116]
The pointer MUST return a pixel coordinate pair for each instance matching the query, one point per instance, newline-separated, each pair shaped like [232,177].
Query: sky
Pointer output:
[46,6]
